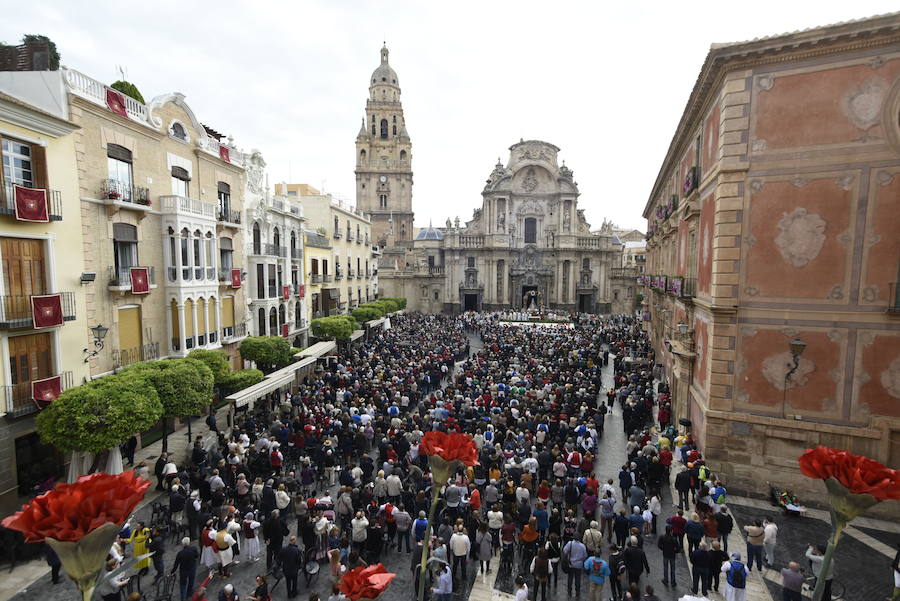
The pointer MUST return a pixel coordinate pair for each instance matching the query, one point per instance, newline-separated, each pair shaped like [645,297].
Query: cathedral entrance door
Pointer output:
[470,302]
[585,303]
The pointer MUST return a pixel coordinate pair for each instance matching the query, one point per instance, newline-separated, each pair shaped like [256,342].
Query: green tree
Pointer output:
[129,89]
[334,327]
[241,379]
[364,314]
[184,387]
[399,301]
[268,352]
[101,414]
[216,361]
[54,53]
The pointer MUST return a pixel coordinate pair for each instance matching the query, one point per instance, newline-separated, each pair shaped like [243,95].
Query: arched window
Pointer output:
[180,181]
[402,155]
[119,169]
[257,240]
[298,319]
[384,129]
[394,129]
[172,258]
[373,119]
[261,318]
[178,131]
[185,254]
[276,237]
[282,316]
[198,255]
[273,322]
[362,156]
[382,201]
[531,230]
[293,243]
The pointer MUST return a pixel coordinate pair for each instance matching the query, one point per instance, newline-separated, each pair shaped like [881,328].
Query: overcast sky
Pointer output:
[606,83]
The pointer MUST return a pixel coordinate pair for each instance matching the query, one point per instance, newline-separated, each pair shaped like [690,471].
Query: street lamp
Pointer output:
[797,347]
[99,331]
[682,328]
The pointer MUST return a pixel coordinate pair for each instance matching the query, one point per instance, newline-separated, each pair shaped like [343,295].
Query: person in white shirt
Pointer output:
[522,590]
[460,545]
[770,533]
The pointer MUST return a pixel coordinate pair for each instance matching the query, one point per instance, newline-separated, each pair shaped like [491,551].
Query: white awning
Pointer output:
[357,334]
[319,349]
[248,395]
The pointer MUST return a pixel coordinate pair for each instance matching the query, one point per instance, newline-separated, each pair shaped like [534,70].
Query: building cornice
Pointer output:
[723,59]
[37,121]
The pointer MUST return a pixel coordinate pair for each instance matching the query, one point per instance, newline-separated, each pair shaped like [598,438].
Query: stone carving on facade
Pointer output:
[885,177]
[765,82]
[799,182]
[758,145]
[801,236]
[535,152]
[255,168]
[845,182]
[775,367]
[565,172]
[530,183]
[530,207]
[876,62]
[756,185]
[870,294]
[501,221]
[751,291]
[706,242]
[567,220]
[890,378]
[836,292]
[862,104]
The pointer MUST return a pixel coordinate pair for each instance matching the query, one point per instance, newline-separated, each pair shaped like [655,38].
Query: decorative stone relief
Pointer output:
[748,331]
[758,145]
[876,62]
[835,375]
[845,238]
[863,377]
[866,338]
[743,397]
[845,182]
[750,240]
[837,292]
[706,242]
[801,236]
[756,185]
[890,378]
[870,294]
[775,367]
[751,291]
[873,239]
[862,104]
[765,82]
[790,332]
[799,182]
[885,177]
[835,336]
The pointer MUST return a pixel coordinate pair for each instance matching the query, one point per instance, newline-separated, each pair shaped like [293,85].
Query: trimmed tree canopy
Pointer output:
[364,314]
[216,361]
[337,327]
[268,352]
[399,301]
[184,386]
[99,415]
[241,379]
[129,89]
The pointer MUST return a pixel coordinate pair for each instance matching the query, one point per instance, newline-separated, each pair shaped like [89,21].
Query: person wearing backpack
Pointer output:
[736,574]
[597,571]
[617,570]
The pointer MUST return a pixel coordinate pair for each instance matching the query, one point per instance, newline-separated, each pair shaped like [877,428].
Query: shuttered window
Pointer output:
[228,312]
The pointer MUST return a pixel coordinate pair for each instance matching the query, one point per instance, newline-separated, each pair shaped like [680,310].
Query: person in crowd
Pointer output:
[792,580]
[598,571]
[736,575]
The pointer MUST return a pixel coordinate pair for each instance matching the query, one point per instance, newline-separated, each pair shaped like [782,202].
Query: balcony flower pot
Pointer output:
[113,195]
[145,201]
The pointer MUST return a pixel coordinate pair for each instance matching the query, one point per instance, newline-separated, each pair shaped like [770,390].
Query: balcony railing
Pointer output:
[894,298]
[433,270]
[19,401]
[112,190]
[471,241]
[228,216]
[93,90]
[278,204]
[296,253]
[15,310]
[315,278]
[146,352]
[121,277]
[351,273]
[327,278]
[185,205]
[623,272]
[275,251]
[238,330]
[54,203]
[339,276]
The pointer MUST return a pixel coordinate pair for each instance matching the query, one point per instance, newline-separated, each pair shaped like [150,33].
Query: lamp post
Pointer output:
[796,347]
[99,331]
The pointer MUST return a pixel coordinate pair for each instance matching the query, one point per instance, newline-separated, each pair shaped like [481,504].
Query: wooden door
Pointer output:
[23,274]
[29,359]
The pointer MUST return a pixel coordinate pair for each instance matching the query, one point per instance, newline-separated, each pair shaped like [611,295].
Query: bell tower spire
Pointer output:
[384,160]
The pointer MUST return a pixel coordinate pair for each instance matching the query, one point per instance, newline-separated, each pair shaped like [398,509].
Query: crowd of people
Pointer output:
[330,477]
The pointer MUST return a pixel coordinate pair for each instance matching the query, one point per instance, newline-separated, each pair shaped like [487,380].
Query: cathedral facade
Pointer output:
[529,241]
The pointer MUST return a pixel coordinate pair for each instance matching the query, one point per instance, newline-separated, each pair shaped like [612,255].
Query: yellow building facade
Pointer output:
[40,259]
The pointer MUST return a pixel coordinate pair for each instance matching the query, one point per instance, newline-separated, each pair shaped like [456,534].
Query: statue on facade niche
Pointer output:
[567,219]
[449,225]
[456,223]
[501,221]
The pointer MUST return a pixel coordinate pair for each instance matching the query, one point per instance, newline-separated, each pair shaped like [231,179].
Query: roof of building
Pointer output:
[615,239]
[430,233]
[384,74]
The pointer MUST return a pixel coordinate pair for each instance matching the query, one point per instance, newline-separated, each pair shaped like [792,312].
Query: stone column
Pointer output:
[181,343]
[194,313]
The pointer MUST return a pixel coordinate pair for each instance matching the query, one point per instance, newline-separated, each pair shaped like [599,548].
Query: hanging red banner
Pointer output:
[301,290]
[116,102]
[31,204]
[224,153]
[285,292]
[140,280]
[46,391]
[284,330]
[235,278]
[46,310]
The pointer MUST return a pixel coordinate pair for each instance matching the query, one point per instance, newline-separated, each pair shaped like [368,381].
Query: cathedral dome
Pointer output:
[430,233]
[384,74]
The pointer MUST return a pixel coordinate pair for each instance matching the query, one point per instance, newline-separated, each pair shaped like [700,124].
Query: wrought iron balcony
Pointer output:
[54,203]
[16,311]
[146,352]
[231,333]
[315,278]
[19,401]
[274,250]
[296,253]
[228,216]
[120,279]
[114,191]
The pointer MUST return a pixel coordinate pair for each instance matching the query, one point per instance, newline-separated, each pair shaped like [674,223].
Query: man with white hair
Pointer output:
[186,565]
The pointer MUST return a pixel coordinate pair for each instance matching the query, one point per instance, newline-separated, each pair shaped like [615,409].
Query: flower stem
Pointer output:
[426,542]
[826,561]
[87,593]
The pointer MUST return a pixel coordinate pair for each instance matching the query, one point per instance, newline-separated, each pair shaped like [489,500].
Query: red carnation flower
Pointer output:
[860,475]
[450,447]
[70,511]
[365,582]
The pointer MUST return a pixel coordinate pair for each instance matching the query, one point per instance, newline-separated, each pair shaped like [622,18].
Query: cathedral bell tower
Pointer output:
[384,161]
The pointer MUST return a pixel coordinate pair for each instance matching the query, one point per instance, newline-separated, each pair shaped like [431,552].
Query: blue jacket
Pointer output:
[597,569]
